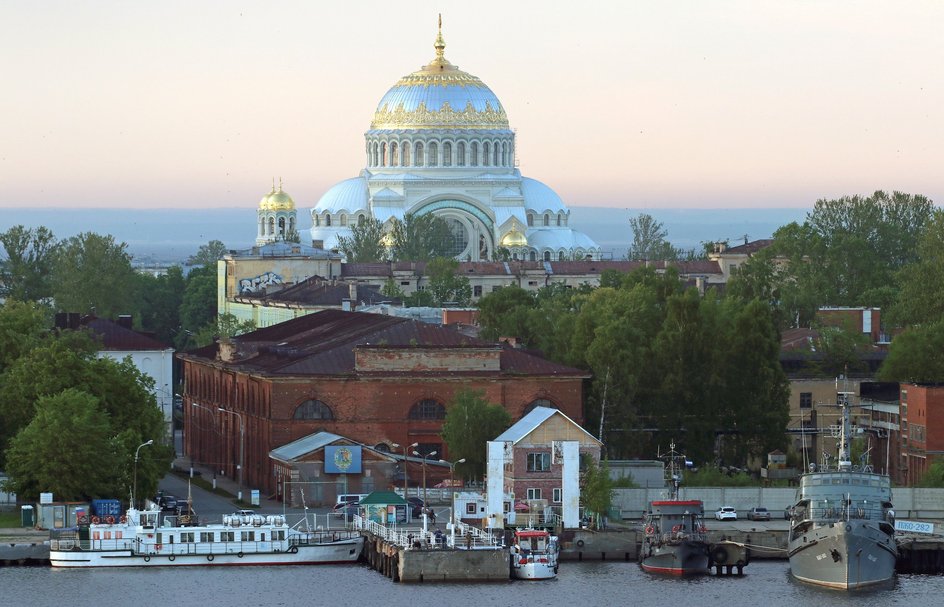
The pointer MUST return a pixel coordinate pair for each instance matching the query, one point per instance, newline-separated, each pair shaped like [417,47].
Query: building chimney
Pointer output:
[227,350]
[124,320]
[352,290]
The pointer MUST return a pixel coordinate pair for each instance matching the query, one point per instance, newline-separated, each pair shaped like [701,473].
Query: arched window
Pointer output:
[361,219]
[393,154]
[530,220]
[496,154]
[383,154]
[418,155]
[486,150]
[447,154]
[271,226]
[405,155]
[281,226]
[475,154]
[460,153]
[317,219]
[560,256]
[506,155]
[534,256]
[433,159]
[547,255]
[376,154]
[313,409]
[382,447]
[327,220]
[560,219]
[427,409]
[547,220]
[539,402]
[343,219]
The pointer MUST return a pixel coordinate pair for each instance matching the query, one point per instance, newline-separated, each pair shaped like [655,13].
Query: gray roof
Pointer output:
[532,420]
[304,446]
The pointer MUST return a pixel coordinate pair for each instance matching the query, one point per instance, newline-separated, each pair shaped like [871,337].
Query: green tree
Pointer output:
[420,238]
[93,273]
[504,313]
[198,306]
[915,355]
[208,254]
[921,299]
[392,290]
[934,476]
[649,239]
[223,326]
[23,325]
[365,244]
[445,284]
[471,421]
[596,494]
[159,301]
[28,257]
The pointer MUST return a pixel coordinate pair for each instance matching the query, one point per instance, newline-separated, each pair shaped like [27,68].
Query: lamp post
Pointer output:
[134,486]
[425,457]
[242,449]
[405,450]
[452,469]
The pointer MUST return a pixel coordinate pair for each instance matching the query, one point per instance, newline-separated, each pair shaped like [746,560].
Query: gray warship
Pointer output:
[675,541]
[842,527]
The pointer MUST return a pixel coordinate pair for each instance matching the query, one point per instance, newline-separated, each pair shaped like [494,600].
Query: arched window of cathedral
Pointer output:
[496,152]
[539,402]
[313,409]
[383,154]
[433,154]
[506,155]
[547,220]
[393,154]
[376,154]
[530,220]
[361,219]
[547,255]
[327,220]
[405,154]
[271,226]
[486,151]
[317,219]
[475,154]
[342,219]
[281,226]
[560,256]
[291,224]
[534,255]
[560,219]
[418,155]
[460,154]
[427,409]
[447,154]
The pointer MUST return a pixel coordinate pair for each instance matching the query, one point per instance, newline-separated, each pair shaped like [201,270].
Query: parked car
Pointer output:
[167,503]
[345,509]
[726,513]
[416,506]
[244,513]
[758,514]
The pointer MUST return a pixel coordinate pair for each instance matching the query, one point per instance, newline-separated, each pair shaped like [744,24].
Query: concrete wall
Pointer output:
[909,502]
[453,565]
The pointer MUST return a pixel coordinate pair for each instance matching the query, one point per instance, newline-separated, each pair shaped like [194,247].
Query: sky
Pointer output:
[644,105]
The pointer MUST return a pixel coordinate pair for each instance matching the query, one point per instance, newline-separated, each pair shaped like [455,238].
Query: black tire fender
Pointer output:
[171,557]
[209,557]
[580,543]
[293,549]
[239,554]
[147,558]
[719,555]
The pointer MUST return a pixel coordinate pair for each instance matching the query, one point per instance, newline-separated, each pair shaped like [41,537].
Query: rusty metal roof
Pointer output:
[115,337]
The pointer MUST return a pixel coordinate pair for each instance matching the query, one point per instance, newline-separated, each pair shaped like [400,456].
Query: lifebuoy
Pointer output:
[580,543]
[123,519]
[110,519]
[293,549]
[171,557]
[719,555]
[147,558]
[650,530]
[158,547]
[209,557]
[83,520]
[95,520]
[848,527]
[239,554]
[676,528]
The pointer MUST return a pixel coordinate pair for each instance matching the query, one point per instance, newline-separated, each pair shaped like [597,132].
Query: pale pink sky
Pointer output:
[627,104]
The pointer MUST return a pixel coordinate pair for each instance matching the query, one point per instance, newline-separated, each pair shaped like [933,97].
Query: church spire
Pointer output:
[440,44]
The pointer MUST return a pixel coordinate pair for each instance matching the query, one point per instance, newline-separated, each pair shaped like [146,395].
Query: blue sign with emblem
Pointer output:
[343,459]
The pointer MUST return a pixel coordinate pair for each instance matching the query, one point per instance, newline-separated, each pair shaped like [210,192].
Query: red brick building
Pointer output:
[378,380]
[922,429]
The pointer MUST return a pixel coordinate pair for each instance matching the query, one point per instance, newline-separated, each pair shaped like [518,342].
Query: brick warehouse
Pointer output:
[375,379]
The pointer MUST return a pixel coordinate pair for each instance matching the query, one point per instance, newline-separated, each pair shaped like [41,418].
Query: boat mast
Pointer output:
[845,431]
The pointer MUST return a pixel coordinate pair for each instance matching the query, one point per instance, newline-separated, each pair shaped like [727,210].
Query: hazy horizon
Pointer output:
[725,104]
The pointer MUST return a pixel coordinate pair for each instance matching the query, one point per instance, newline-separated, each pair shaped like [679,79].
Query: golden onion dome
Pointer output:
[387,240]
[513,238]
[264,203]
[277,200]
[439,95]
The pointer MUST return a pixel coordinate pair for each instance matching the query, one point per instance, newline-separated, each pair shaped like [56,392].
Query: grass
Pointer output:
[9,519]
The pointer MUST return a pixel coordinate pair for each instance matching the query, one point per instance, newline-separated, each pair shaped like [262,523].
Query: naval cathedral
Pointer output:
[440,143]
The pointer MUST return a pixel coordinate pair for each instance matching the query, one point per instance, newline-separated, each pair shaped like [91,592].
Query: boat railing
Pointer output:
[463,536]
[842,512]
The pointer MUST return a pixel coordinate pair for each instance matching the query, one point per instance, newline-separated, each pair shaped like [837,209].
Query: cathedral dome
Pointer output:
[277,200]
[439,95]
[513,238]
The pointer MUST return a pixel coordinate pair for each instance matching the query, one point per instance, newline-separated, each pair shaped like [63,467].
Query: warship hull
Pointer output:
[844,555]
[681,558]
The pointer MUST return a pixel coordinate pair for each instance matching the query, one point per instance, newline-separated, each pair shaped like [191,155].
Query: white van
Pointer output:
[350,498]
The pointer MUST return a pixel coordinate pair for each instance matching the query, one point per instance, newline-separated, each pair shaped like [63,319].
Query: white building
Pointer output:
[440,143]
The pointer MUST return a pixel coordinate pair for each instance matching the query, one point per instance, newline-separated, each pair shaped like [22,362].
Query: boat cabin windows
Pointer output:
[186,537]
[539,462]
[207,536]
[278,535]
[247,536]
[227,536]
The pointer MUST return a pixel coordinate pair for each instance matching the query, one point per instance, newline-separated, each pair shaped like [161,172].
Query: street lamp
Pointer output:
[428,455]
[405,485]
[452,469]
[134,487]
[242,449]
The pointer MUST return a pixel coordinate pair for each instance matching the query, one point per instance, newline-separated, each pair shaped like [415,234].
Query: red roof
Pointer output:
[115,337]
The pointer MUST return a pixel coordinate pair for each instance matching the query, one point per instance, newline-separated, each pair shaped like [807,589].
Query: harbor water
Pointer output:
[585,584]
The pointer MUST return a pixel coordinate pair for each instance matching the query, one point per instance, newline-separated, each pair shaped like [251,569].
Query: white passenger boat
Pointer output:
[534,555]
[145,538]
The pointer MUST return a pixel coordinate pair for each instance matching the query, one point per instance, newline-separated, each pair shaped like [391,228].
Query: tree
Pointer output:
[198,306]
[445,284]
[159,301]
[93,273]
[420,238]
[23,325]
[208,254]
[471,421]
[223,326]
[915,355]
[25,269]
[596,494]
[365,244]
[921,299]
[649,239]
[504,313]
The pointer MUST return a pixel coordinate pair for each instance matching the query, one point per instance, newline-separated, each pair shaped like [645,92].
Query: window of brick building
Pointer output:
[427,409]
[557,495]
[534,493]
[806,400]
[313,409]
[539,462]
[540,402]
